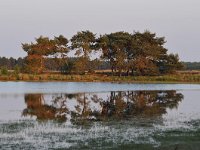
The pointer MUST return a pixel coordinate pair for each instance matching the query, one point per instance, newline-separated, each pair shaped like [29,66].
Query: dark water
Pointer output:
[99,116]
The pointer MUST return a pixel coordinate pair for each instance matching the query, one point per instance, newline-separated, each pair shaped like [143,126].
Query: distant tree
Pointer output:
[94,65]
[10,63]
[4,62]
[171,64]
[20,62]
[81,65]
[42,48]
[192,65]
[83,42]
[68,67]
[4,70]
[17,70]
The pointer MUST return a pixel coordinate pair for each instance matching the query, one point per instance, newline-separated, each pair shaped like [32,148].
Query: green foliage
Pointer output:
[4,71]
[81,65]
[192,65]
[16,70]
[10,63]
[44,47]
[94,65]
[83,42]
[170,64]
[33,64]
[68,67]
[136,54]
[115,47]
[139,52]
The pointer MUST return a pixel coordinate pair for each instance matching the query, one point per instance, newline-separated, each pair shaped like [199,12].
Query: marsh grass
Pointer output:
[189,78]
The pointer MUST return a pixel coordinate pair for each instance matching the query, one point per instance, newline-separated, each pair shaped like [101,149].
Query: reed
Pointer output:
[173,78]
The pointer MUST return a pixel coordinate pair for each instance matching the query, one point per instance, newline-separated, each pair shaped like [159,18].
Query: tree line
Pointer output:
[122,52]
[192,65]
[11,63]
[50,64]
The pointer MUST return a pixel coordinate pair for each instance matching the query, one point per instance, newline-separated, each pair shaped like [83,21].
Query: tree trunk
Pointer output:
[127,73]
[112,68]
[132,71]
[41,65]
[120,73]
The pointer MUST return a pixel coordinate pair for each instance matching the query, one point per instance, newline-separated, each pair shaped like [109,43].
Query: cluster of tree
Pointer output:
[138,53]
[115,105]
[50,64]
[43,48]
[192,65]
[11,63]
[121,52]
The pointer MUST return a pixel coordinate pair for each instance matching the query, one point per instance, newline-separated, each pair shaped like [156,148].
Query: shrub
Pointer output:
[4,71]
[16,70]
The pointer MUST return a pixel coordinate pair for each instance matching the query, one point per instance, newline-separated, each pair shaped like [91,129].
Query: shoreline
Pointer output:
[165,79]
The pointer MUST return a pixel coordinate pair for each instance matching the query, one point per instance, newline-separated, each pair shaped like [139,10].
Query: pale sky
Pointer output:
[178,20]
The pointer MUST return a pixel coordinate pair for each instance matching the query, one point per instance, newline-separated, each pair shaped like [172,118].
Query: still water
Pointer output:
[59,115]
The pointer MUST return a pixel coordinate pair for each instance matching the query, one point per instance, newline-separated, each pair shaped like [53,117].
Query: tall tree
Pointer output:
[114,48]
[44,47]
[83,42]
[146,50]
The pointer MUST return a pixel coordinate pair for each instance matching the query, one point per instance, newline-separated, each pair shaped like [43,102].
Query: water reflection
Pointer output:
[36,106]
[79,108]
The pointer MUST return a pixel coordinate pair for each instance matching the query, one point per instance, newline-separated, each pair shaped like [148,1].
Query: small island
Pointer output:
[86,57]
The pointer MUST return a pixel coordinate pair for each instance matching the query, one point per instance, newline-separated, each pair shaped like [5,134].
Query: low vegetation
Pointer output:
[180,77]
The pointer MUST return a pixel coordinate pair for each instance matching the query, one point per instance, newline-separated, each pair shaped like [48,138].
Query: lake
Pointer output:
[77,115]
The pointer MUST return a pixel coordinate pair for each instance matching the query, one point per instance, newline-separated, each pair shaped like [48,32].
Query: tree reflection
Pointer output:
[143,103]
[36,107]
[114,105]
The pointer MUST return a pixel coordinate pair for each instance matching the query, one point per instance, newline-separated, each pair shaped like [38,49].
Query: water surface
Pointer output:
[60,115]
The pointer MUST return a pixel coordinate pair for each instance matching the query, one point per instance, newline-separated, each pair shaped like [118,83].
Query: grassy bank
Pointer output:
[176,78]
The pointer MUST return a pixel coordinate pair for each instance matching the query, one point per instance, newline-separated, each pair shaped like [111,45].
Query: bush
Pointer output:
[16,70]
[4,71]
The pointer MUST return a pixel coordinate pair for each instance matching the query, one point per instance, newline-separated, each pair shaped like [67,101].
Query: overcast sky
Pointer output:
[178,20]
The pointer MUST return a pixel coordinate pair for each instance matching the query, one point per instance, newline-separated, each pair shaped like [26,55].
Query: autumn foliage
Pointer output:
[128,54]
